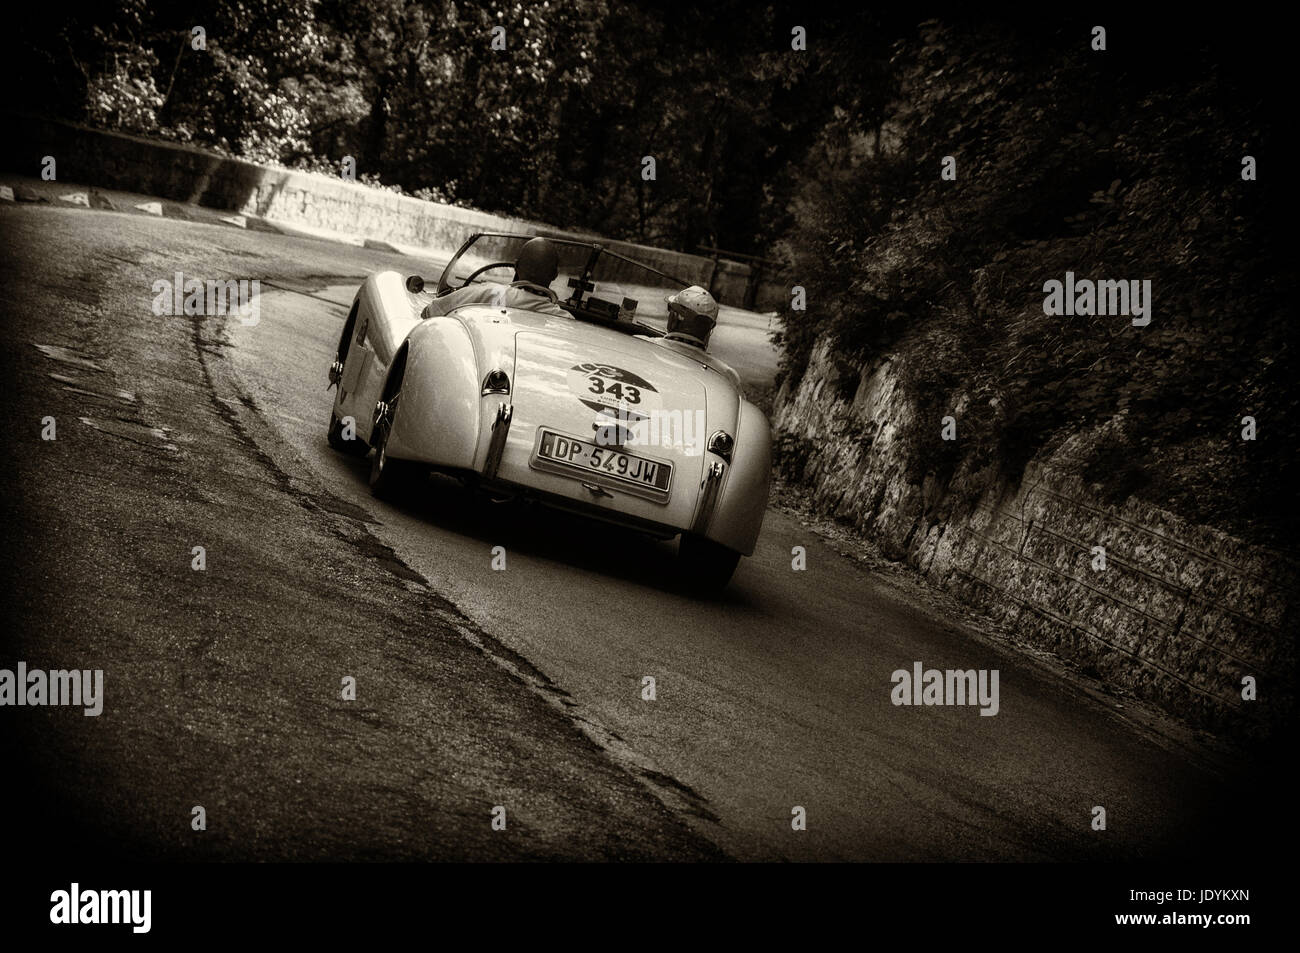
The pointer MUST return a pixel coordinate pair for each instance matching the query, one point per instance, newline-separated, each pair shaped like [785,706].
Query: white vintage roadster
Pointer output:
[584,406]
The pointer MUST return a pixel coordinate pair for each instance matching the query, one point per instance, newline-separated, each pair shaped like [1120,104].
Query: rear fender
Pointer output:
[742,499]
[439,415]
[380,320]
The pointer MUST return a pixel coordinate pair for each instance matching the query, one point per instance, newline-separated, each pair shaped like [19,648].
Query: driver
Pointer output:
[535,269]
[692,315]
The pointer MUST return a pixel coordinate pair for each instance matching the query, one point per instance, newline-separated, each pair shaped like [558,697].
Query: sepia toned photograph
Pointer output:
[618,433]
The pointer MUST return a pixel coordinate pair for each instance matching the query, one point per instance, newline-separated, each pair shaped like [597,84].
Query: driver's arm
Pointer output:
[471,294]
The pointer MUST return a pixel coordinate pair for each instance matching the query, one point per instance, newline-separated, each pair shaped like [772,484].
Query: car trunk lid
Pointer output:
[621,397]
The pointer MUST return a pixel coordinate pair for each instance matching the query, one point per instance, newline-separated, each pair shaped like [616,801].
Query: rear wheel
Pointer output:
[390,479]
[706,566]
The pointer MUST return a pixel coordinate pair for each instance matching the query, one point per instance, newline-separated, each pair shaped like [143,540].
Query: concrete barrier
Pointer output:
[194,176]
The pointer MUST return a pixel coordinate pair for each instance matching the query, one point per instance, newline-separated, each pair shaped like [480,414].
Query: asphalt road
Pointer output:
[477,687]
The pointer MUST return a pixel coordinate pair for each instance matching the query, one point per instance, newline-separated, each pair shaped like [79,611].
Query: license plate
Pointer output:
[611,462]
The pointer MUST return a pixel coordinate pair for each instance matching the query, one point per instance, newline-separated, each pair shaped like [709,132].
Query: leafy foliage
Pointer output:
[1107,165]
[552,127]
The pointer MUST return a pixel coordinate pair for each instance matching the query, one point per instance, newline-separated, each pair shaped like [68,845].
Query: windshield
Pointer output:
[593,283]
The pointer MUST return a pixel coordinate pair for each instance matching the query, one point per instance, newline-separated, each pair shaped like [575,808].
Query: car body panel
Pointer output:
[385,314]
[742,502]
[551,392]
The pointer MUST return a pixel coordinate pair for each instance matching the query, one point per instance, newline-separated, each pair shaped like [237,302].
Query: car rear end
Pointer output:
[608,423]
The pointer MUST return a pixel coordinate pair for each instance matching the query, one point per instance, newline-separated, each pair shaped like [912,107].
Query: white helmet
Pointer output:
[692,315]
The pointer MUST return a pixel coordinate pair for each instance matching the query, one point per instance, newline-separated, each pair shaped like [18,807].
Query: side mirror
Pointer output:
[415,284]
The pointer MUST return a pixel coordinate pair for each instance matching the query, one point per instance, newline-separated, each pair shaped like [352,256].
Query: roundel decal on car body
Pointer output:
[604,387]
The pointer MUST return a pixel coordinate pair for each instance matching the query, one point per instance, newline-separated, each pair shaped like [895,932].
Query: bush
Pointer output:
[1112,168]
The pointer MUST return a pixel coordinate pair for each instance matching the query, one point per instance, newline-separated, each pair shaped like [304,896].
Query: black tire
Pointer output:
[356,447]
[390,479]
[706,566]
